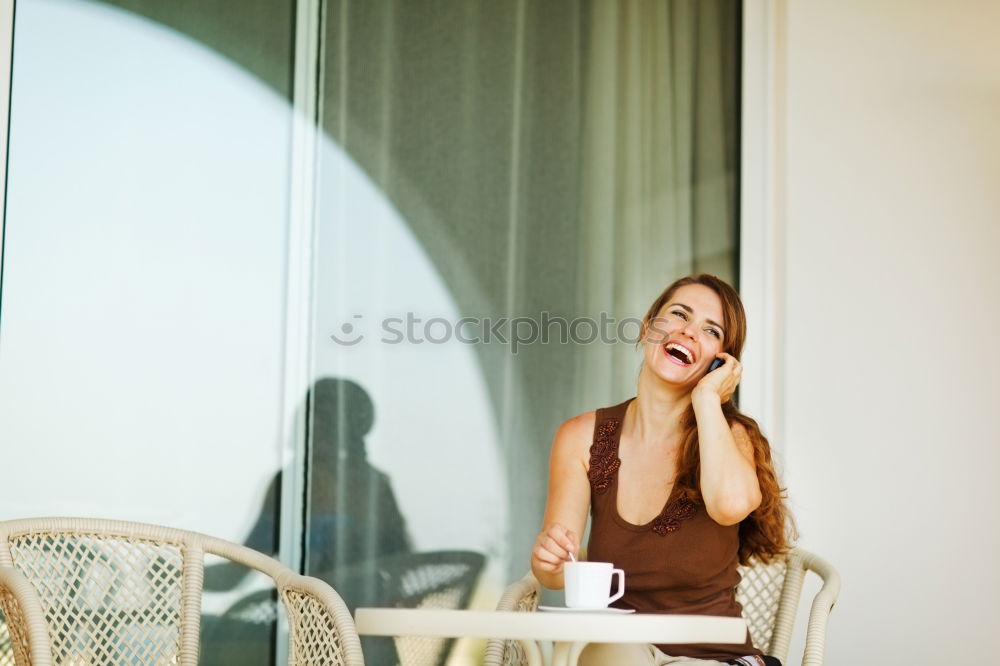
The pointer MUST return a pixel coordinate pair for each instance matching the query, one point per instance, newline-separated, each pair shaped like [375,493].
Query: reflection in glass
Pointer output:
[353,516]
[144,263]
[357,537]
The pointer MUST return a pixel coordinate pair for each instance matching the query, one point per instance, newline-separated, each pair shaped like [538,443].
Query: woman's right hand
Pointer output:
[553,548]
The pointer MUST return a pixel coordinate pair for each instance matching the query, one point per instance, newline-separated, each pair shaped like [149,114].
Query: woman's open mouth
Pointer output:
[678,353]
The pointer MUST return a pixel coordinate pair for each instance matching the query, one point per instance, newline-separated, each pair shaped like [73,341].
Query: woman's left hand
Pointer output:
[721,381]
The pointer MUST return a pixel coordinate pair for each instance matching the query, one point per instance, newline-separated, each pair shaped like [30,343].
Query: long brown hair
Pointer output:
[769,529]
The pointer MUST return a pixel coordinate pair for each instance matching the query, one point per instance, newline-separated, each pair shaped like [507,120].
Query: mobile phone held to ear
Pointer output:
[716,363]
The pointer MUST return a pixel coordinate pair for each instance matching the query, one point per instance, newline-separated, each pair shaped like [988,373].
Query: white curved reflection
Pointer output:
[143,303]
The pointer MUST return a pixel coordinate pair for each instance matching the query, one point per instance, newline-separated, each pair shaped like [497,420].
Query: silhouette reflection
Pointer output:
[353,521]
[356,540]
[353,515]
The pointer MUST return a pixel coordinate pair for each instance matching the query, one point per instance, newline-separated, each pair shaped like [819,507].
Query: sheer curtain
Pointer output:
[559,157]
[659,174]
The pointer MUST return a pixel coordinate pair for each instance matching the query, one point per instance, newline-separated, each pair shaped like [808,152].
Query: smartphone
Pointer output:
[716,363]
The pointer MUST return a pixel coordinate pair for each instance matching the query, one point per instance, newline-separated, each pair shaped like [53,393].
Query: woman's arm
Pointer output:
[728,477]
[568,501]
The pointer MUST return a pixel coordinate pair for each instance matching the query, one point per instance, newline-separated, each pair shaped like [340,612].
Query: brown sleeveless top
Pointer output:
[681,562]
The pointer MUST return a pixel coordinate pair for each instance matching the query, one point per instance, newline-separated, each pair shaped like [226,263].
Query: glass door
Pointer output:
[143,285]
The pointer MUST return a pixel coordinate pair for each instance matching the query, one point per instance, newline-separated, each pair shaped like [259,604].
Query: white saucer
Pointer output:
[564,609]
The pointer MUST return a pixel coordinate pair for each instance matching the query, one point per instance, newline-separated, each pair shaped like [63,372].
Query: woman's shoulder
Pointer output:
[574,435]
[583,426]
[588,420]
[580,426]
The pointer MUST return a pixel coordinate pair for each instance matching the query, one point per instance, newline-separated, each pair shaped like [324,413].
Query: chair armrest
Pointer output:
[522,595]
[29,633]
[819,613]
[321,627]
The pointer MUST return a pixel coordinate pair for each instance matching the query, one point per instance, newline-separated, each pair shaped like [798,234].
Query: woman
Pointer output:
[679,484]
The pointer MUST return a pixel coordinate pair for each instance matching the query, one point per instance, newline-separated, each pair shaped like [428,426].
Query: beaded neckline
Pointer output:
[604,465]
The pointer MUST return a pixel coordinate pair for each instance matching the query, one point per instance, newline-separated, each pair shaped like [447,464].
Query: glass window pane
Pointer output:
[143,279]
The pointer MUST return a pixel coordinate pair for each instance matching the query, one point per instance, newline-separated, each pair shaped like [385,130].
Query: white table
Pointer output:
[570,632]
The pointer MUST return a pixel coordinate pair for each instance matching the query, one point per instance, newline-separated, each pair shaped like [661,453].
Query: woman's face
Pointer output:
[685,336]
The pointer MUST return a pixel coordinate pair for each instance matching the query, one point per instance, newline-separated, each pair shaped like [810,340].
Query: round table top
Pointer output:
[561,626]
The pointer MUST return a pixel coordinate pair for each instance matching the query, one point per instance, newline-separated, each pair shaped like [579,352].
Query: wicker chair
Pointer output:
[20,603]
[433,580]
[769,594]
[522,596]
[111,592]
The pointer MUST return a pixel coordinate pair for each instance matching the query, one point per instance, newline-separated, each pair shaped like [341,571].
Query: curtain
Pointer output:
[658,195]
[559,157]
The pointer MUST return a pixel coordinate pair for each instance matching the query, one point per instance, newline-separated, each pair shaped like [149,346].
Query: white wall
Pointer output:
[891,197]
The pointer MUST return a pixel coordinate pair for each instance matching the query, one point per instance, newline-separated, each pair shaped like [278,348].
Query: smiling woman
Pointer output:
[678,482]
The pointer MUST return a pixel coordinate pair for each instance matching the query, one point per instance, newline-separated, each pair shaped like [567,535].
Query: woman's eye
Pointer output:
[681,314]
[715,333]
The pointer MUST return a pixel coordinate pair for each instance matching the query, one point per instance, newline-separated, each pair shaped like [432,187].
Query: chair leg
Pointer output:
[532,652]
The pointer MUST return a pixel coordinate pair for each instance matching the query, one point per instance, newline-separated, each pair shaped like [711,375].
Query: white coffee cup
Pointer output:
[588,584]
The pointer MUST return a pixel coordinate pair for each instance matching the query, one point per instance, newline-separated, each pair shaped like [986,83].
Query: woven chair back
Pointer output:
[432,580]
[126,593]
[759,592]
